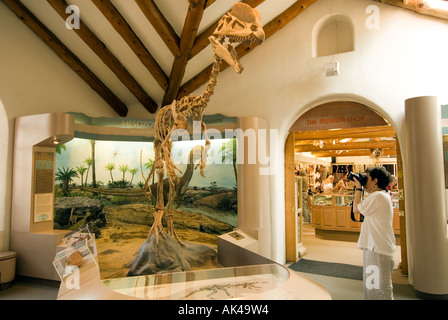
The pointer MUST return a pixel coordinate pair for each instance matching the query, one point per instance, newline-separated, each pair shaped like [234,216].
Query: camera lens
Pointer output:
[362,178]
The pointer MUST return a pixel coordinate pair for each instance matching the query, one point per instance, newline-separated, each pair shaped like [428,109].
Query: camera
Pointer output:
[362,178]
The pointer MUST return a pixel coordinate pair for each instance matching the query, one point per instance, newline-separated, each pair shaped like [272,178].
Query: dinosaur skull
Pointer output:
[241,25]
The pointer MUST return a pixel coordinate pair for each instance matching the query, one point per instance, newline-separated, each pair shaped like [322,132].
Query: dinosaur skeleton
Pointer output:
[241,24]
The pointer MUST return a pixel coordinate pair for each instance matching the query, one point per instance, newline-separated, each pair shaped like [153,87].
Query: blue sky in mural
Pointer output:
[128,153]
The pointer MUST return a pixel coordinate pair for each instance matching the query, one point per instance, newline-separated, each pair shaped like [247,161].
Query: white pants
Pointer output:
[377,276]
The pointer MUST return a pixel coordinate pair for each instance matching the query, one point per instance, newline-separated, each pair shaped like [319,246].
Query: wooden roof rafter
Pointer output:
[98,47]
[369,145]
[161,25]
[120,25]
[183,47]
[437,9]
[189,32]
[66,55]
[353,153]
[347,142]
[354,133]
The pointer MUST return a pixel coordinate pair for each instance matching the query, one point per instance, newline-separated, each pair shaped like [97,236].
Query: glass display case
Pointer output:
[332,212]
[214,284]
[322,200]
[343,199]
[395,199]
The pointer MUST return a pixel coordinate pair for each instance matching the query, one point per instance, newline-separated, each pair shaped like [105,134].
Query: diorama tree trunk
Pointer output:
[92,144]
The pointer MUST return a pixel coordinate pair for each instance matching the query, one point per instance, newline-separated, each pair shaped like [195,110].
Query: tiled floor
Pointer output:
[30,289]
[316,249]
[346,252]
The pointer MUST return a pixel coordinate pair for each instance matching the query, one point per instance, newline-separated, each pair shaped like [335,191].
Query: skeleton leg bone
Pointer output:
[157,226]
[170,214]
[204,154]
[173,180]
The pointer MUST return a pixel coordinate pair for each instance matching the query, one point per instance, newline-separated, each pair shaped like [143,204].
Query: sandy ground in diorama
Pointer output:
[128,226]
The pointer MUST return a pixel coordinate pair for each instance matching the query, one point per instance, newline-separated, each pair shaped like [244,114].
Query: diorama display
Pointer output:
[150,195]
[109,197]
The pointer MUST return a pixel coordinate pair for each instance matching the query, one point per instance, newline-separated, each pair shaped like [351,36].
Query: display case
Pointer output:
[395,199]
[343,200]
[331,215]
[262,280]
[79,256]
[215,284]
[334,199]
[322,200]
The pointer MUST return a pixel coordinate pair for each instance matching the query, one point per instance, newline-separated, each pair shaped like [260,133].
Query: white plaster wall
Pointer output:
[404,58]
[33,80]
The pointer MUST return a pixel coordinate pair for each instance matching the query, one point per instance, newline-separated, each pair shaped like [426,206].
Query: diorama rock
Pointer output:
[63,208]
[167,255]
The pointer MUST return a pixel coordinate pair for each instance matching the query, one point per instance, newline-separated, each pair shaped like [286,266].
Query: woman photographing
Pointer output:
[377,239]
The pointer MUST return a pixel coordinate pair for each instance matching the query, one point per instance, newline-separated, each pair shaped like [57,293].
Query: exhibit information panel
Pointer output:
[43,186]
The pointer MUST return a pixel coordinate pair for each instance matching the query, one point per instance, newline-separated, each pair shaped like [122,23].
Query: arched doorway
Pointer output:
[331,139]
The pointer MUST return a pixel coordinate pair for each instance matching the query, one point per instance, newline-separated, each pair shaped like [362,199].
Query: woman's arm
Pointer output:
[356,201]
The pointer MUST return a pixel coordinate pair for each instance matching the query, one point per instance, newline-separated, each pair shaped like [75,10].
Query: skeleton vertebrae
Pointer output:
[242,24]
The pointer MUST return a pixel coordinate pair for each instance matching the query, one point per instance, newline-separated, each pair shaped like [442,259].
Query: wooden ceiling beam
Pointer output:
[270,29]
[189,32]
[94,43]
[125,31]
[161,25]
[352,153]
[306,142]
[429,8]
[208,3]
[330,141]
[202,40]
[348,146]
[286,17]
[66,55]
[354,133]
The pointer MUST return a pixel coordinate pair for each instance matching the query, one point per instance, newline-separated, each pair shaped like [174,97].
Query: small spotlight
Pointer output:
[56,141]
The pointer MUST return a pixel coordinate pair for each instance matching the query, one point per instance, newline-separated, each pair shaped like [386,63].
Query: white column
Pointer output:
[426,195]
[253,185]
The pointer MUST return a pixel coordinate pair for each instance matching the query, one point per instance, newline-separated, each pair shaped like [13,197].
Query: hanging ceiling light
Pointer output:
[376,154]
[319,143]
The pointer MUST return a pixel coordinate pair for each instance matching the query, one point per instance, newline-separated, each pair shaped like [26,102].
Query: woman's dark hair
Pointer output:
[381,174]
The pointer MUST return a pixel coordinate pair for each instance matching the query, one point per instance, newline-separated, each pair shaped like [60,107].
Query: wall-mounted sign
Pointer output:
[43,186]
[335,115]
[134,129]
[43,207]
